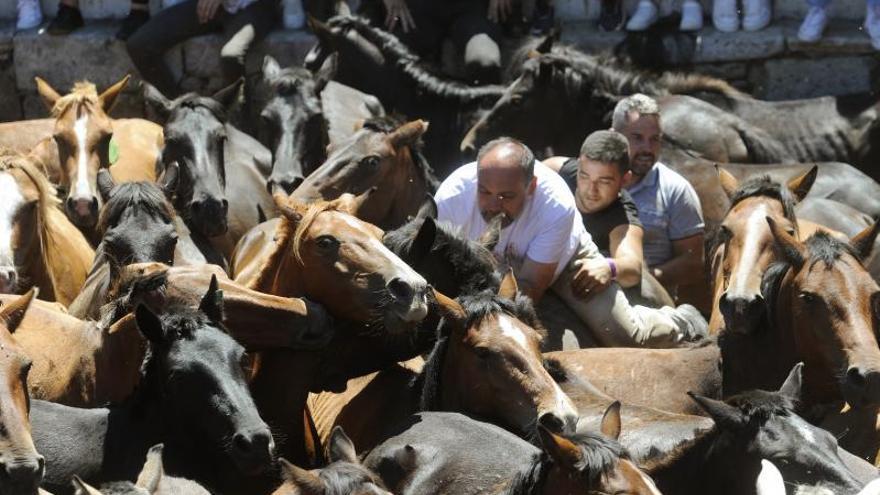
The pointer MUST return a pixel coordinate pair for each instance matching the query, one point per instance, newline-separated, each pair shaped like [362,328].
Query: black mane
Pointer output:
[143,197]
[599,456]
[760,405]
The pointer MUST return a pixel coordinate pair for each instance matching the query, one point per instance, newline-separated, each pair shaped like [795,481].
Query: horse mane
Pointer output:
[599,455]
[410,65]
[83,93]
[143,197]
[62,244]
[389,123]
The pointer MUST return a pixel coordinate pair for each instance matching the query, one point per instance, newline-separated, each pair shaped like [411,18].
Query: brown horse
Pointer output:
[496,337]
[384,156]
[21,467]
[39,247]
[740,250]
[87,137]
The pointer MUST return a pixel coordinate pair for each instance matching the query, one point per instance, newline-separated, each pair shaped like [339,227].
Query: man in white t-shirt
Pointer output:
[544,241]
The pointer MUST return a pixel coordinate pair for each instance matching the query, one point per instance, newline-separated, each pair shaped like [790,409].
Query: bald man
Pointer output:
[544,240]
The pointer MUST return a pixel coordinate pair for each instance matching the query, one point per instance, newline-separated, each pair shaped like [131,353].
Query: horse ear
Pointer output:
[110,95]
[800,185]
[724,415]
[407,458]
[80,487]
[229,95]
[428,208]
[561,449]
[449,309]
[271,69]
[153,470]
[792,250]
[47,93]
[169,180]
[489,238]
[424,240]
[156,100]
[407,134]
[149,324]
[769,480]
[341,447]
[791,388]
[546,44]
[212,302]
[13,313]
[611,421]
[321,30]
[508,288]
[352,204]
[863,242]
[728,182]
[326,73]
[291,209]
[105,184]
[306,481]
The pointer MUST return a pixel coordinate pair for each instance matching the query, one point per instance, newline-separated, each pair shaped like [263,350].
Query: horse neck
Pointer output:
[409,187]
[67,256]
[117,374]
[281,273]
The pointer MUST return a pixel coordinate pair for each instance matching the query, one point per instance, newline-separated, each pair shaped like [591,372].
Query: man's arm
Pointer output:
[534,278]
[555,162]
[626,252]
[686,265]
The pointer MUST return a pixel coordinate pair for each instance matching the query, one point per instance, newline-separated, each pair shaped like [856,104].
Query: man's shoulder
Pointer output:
[672,182]
[460,179]
[552,190]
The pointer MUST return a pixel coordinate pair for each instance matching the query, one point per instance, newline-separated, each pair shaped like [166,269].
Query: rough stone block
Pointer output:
[572,10]
[32,106]
[90,53]
[10,104]
[288,46]
[716,46]
[728,72]
[7,31]
[201,55]
[786,79]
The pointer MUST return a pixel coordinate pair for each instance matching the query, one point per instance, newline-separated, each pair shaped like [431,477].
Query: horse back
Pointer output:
[139,145]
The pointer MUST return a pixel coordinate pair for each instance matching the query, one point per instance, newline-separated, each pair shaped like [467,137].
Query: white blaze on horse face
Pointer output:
[10,201]
[81,189]
[509,330]
[804,429]
[750,252]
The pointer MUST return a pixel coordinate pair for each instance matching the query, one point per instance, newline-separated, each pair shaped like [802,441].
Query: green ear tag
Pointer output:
[114,151]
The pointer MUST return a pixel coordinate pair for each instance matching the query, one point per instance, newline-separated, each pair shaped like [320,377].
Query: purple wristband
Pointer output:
[613,268]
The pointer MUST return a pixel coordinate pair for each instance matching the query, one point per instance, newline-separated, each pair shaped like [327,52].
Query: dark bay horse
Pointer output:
[750,427]
[344,475]
[21,467]
[377,63]
[223,171]
[741,249]
[447,453]
[204,416]
[84,134]
[494,336]
[383,157]
[39,247]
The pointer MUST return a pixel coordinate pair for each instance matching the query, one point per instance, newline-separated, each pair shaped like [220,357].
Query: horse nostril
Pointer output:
[855,377]
[552,422]
[255,444]
[225,206]
[400,290]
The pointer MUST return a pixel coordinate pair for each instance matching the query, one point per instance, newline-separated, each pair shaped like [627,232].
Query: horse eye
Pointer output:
[482,352]
[326,242]
[26,368]
[808,297]
[371,161]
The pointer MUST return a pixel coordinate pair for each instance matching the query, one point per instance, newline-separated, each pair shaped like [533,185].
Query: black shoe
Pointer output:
[611,18]
[134,21]
[66,21]
[543,18]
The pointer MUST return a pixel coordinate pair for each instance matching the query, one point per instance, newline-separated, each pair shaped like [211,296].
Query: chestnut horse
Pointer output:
[21,467]
[385,156]
[39,247]
[88,139]
[740,250]
[496,337]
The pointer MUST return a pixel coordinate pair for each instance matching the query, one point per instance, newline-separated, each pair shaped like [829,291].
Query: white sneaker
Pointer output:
[644,16]
[756,14]
[724,15]
[872,24]
[29,14]
[691,16]
[813,25]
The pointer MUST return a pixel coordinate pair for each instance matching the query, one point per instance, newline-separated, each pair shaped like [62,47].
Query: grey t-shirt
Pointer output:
[669,210]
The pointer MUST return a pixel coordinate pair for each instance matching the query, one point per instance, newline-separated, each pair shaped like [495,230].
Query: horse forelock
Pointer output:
[761,405]
[764,186]
[83,93]
[145,197]
[821,246]
[486,304]
[194,101]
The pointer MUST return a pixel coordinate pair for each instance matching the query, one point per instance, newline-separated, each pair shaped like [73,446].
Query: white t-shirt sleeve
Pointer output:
[455,197]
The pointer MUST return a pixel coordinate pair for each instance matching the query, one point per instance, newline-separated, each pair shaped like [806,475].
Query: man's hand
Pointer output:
[207,9]
[396,12]
[499,10]
[593,276]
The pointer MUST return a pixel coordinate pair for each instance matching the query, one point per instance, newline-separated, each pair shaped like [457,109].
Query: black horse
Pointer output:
[192,397]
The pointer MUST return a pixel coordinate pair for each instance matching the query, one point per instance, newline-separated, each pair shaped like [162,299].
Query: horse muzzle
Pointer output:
[8,279]
[82,211]
[209,216]
[741,314]
[861,386]
[410,298]
[22,476]
[253,451]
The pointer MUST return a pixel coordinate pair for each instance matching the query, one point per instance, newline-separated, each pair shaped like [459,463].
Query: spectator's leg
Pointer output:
[644,17]
[872,22]
[757,14]
[138,15]
[543,17]
[477,38]
[148,45]
[692,15]
[613,321]
[611,15]
[67,19]
[243,29]
[815,21]
[29,14]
